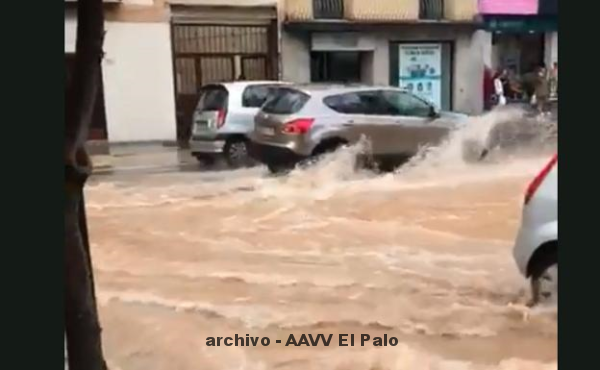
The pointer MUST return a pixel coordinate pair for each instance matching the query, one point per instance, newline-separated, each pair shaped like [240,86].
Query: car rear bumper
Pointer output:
[207,144]
[274,155]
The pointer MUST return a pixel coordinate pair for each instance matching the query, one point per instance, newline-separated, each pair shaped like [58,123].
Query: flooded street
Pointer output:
[423,255]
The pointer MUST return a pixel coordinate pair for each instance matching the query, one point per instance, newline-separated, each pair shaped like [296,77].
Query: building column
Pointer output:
[381,61]
[295,57]
[471,55]
[550,48]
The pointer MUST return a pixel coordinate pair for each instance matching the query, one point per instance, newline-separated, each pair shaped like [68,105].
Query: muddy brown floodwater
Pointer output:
[423,256]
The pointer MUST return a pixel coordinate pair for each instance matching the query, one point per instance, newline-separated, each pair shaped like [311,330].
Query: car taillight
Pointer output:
[298,126]
[221,115]
[537,181]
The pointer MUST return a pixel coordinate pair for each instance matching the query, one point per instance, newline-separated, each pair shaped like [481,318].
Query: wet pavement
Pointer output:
[423,256]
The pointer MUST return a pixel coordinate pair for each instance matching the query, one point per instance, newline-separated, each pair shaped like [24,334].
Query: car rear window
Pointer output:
[212,98]
[285,101]
[254,96]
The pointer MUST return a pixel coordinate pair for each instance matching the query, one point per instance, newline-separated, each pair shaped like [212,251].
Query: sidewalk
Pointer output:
[141,156]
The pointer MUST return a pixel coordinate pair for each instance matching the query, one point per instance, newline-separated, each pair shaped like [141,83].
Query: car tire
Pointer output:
[322,150]
[237,153]
[206,160]
[544,281]
[279,169]
[327,148]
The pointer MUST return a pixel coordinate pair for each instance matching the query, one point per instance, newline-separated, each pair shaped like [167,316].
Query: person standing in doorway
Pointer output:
[542,90]
[488,87]
[499,83]
[554,81]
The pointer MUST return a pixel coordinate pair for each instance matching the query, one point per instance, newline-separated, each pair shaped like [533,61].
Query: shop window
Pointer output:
[341,67]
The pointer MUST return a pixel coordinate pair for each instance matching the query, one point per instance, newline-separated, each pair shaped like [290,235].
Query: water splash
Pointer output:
[463,148]
[423,253]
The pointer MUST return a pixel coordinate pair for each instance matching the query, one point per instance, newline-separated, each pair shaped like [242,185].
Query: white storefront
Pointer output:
[138,79]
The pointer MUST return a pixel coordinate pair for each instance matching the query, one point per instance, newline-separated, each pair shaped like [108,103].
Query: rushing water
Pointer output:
[423,255]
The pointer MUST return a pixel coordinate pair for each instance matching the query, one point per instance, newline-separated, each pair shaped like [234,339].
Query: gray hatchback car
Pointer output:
[304,121]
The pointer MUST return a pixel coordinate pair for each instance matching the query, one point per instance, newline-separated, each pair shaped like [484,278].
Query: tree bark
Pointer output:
[82,327]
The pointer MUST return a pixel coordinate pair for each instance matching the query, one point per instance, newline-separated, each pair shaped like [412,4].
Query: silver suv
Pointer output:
[304,121]
[224,117]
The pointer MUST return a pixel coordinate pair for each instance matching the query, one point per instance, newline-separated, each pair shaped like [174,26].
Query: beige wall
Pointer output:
[242,3]
[139,11]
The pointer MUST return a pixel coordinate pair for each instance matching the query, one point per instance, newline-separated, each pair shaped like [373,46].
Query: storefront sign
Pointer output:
[515,7]
[524,24]
[421,71]
[518,7]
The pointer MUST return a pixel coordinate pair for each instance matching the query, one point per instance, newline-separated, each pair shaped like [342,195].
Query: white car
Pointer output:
[536,247]
[223,118]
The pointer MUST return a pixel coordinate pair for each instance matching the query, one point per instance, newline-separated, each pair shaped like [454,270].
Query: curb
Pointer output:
[101,162]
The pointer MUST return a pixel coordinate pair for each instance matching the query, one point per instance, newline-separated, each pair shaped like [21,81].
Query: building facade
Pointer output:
[159,53]
[431,47]
[137,73]
[524,33]
[220,40]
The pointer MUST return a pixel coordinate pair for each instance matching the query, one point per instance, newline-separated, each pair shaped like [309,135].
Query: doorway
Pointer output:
[212,53]
[519,53]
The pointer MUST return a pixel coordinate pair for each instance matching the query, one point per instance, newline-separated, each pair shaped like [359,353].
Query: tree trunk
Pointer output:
[82,328]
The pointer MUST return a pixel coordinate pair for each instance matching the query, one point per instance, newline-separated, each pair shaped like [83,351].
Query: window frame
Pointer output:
[430,107]
[250,87]
[286,90]
[206,89]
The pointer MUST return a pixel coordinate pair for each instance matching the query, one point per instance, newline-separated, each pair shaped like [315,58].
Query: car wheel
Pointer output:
[279,169]
[366,162]
[544,283]
[327,148]
[237,154]
[323,149]
[205,159]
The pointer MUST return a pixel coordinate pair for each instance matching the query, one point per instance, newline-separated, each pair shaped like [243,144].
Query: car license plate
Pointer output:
[200,126]
[267,131]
